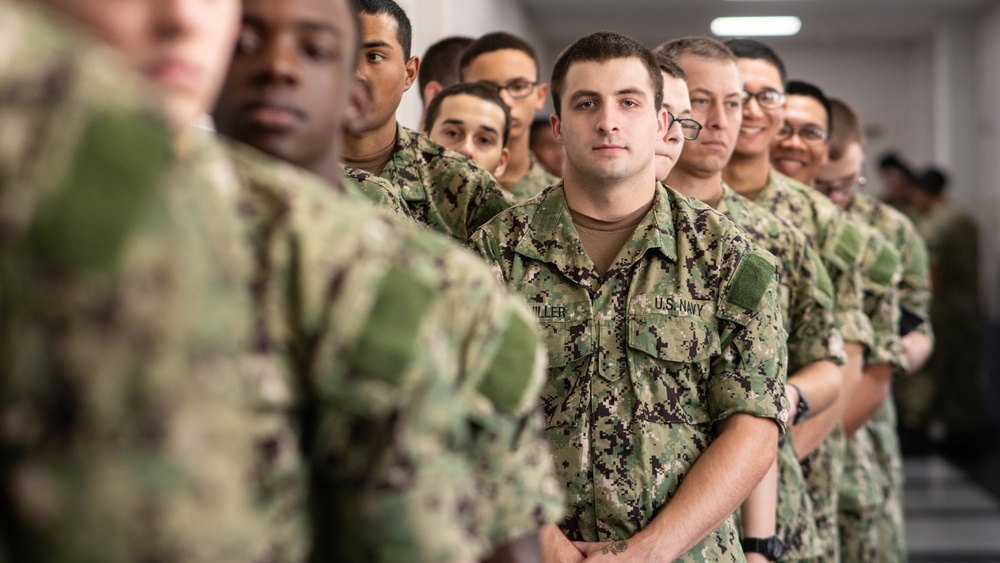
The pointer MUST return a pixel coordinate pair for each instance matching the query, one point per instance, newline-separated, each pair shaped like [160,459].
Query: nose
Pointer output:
[282,59]
[177,17]
[607,119]
[674,133]
[717,118]
[751,108]
[465,147]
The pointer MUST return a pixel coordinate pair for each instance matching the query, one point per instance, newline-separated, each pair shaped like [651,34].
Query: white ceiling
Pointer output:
[823,21]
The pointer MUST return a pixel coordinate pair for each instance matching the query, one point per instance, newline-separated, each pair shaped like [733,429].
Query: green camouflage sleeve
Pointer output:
[377,190]
[842,253]
[915,287]
[812,335]
[128,432]
[882,273]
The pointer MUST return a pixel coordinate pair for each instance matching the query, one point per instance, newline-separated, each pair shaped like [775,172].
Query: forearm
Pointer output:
[917,348]
[556,547]
[759,510]
[820,382]
[526,549]
[810,433]
[716,484]
[868,397]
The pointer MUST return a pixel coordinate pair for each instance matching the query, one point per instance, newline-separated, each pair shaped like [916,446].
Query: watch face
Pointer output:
[775,549]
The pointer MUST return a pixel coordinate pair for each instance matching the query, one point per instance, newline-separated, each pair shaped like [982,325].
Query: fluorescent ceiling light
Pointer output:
[756,27]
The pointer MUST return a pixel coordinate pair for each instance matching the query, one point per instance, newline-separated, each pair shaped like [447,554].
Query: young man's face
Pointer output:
[715,92]
[381,64]
[676,101]
[759,123]
[474,127]
[839,178]
[505,67]
[290,78]
[610,123]
[182,46]
[795,156]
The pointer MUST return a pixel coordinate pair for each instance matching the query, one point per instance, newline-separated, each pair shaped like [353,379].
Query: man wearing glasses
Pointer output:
[442,189]
[777,516]
[510,65]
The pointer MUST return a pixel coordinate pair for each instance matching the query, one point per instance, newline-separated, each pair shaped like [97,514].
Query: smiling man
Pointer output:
[662,326]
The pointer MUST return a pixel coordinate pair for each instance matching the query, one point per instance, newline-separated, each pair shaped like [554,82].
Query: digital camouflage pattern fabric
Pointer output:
[443,189]
[683,331]
[807,310]
[377,190]
[840,246]
[127,434]
[536,180]
[416,378]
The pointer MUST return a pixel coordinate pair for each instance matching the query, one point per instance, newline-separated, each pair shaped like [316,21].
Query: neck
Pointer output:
[363,146]
[609,201]
[747,175]
[327,166]
[707,190]
[518,163]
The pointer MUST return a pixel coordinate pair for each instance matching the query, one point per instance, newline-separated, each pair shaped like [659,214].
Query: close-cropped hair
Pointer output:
[933,181]
[440,62]
[891,160]
[847,128]
[669,67]
[699,46]
[800,88]
[752,49]
[475,89]
[601,47]
[495,42]
[404,31]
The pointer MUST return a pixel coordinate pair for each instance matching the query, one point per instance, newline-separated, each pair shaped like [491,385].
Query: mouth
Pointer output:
[751,130]
[175,73]
[609,148]
[788,164]
[273,115]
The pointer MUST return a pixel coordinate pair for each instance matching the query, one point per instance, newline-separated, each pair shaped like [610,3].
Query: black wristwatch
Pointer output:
[801,408]
[771,547]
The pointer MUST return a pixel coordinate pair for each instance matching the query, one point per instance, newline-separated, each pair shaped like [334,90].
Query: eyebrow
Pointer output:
[712,94]
[373,44]
[670,108]
[308,25]
[453,121]
[592,93]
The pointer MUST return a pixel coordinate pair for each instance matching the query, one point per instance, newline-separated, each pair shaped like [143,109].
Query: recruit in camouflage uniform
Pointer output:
[807,311]
[871,519]
[683,331]
[376,190]
[434,408]
[532,184]
[839,244]
[127,436]
[442,188]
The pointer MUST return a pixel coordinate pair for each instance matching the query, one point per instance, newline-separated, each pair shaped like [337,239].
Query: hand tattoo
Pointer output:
[615,548]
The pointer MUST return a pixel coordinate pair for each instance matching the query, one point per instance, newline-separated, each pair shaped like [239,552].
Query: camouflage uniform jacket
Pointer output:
[127,432]
[442,188]
[807,308]
[415,379]
[377,190]
[536,180]
[839,244]
[683,331]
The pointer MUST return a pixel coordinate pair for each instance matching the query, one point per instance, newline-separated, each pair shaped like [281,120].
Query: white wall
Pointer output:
[436,19]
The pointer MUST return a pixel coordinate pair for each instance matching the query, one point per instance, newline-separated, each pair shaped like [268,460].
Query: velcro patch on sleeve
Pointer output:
[386,345]
[119,162]
[885,267]
[752,277]
[507,379]
[849,243]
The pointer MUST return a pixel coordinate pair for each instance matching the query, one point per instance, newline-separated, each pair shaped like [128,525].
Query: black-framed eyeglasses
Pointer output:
[768,98]
[689,127]
[810,134]
[516,88]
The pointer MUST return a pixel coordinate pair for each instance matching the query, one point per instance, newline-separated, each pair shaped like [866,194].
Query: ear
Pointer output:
[412,66]
[556,128]
[502,167]
[541,93]
[430,90]
[661,123]
[359,104]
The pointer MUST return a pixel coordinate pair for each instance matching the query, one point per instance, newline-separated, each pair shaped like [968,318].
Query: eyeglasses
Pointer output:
[840,188]
[516,88]
[689,127]
[810,135]
[767,98]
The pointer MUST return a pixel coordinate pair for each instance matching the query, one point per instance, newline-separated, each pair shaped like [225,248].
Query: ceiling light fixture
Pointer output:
[771,26]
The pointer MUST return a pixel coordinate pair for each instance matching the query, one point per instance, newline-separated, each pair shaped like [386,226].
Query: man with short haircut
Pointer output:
[509,64]
[818,439]
[439,69]
[442,189]
[778,509]
[472,120]
[662,323]
[898,183]
[871,518]
[801,148]
[546,149]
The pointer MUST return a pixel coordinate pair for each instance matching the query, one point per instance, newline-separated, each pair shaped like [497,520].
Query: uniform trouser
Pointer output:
[872,534]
